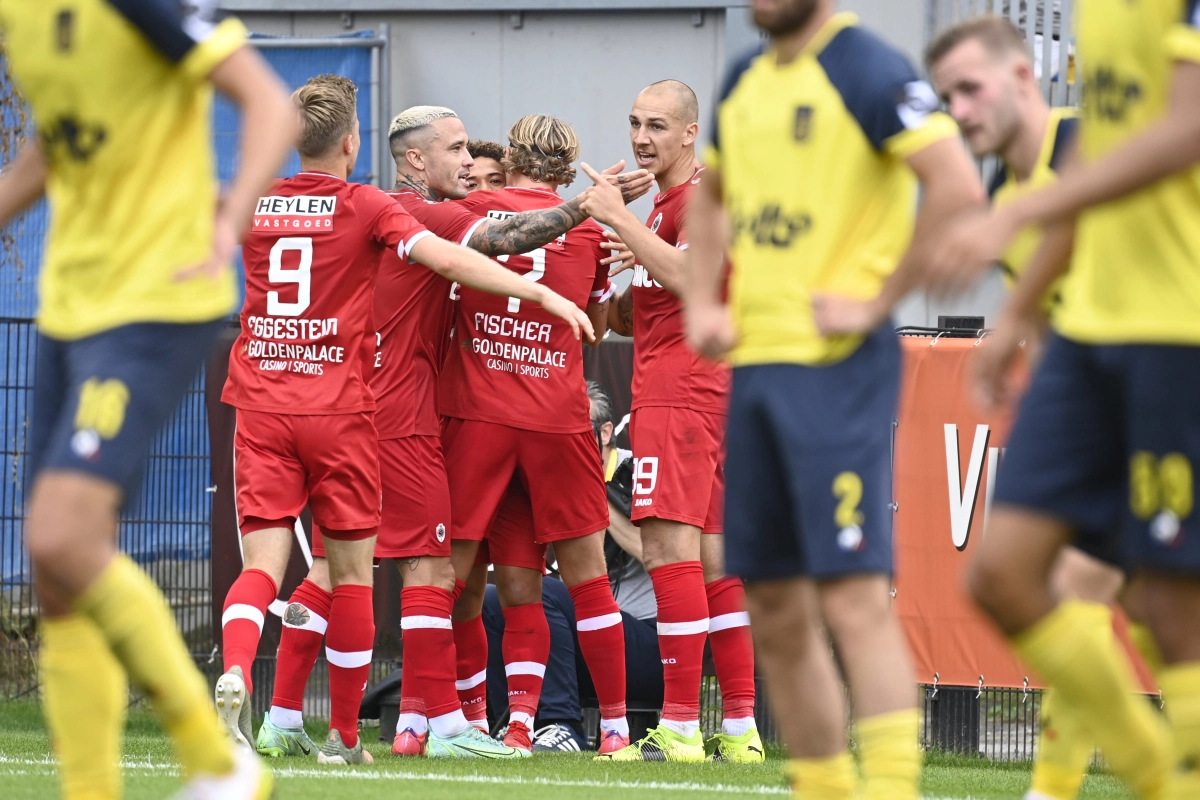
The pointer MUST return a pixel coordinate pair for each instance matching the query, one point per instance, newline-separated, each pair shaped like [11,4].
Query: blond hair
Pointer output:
[542,148]
[997,34]
[328,106]
[410,121]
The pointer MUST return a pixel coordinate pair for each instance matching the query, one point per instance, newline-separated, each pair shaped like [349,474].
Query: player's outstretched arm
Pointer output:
[951,186]
[529,230]
[663,261]
[23,181]
[269,129]
[710,328]
[467,267]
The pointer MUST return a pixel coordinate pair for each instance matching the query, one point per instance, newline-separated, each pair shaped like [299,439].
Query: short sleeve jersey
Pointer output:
[123,108]
[1060,133]
[308,342]
[812,161]
[666,372]
[511,362]
[413,316]
[1135,277]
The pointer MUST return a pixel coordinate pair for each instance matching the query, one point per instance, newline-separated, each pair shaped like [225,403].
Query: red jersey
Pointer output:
[511,362]
[307,344]
[413,316]
[666,372]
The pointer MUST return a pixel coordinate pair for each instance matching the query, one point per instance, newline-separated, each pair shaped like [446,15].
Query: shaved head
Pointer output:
[678,96]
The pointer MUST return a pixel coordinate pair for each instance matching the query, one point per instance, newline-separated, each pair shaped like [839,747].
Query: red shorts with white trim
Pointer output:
[561,473]
[679,466]
[416,500]
[284,462]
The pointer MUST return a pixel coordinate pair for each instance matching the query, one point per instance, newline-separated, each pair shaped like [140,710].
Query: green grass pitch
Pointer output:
[27,772]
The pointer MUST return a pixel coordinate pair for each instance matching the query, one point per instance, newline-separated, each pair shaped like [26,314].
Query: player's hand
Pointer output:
[710,330]
[966,247]
[991,369]
[632,184]
[225,240]
[563,308]
[602,201]
[621,258]
[836,315]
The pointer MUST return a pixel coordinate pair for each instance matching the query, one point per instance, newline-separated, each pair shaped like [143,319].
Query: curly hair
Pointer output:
[481,148]
[542,148]
[328,107]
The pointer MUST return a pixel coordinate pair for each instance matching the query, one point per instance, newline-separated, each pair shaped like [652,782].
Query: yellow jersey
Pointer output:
[1135,277]
[812,162]
[122,105]
[1060,132]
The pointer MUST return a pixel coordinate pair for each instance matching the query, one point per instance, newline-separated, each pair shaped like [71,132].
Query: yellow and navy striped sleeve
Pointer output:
[1183,39]
[712,153]
[187,35]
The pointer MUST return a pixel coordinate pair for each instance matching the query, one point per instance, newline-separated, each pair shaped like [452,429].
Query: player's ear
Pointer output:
[1024,70]
[690,133]
[415,159]
[606,433]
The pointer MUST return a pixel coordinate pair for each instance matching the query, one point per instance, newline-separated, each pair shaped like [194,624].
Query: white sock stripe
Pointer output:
[243,611]
[723,622]
[525,668]
[683,628]
[600,622]
[352,660]
[315,622]
[471,682]
[522,717]
[418,621]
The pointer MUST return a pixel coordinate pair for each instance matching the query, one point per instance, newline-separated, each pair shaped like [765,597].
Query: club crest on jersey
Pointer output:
[440,533]
[655,225]
[299,214]
[803,125]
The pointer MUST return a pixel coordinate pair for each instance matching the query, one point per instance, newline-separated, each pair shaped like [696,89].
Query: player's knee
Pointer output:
[665,542]
[319,574]
[856,607]
[518,586]
[68,514]
[779,621]
[990,587]
[712,557]
[1172,603]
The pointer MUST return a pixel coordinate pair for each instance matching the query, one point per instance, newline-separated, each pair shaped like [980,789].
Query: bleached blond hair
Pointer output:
[410,121]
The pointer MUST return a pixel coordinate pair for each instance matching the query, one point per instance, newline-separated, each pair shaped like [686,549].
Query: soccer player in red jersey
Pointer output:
[677,431]
[516,402]
[298,377]
[487,173]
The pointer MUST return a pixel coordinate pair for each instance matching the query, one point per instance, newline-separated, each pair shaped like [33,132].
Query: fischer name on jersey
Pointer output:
[307,344]
[666,372]
[511,362]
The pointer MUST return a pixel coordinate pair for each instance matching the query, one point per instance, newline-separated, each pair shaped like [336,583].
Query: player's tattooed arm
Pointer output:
[526,231]
[415,184]
[620,313]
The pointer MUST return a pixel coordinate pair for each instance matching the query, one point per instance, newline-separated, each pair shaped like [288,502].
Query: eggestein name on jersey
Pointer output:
[521,359]
[279,356]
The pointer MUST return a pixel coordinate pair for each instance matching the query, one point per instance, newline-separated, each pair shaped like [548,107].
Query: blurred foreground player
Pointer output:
[306,432]
[677,430]
[827,111]
[134,284]
[1109,431]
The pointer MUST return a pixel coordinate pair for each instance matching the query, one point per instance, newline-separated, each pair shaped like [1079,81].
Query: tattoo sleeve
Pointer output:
[526,231]
[620,320]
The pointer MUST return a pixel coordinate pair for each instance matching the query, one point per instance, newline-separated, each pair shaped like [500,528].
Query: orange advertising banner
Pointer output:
[947,452]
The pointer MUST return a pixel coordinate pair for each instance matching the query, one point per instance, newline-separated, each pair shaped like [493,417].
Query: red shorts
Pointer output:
[560,471]
[284,462]
[510,541]
[416,500]
[679,466]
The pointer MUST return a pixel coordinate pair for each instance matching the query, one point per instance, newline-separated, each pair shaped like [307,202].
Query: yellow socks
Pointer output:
[135,621]
[822,778]
[1085,665]
[84,696]
[1181,690]
[889,754]
[1064,751]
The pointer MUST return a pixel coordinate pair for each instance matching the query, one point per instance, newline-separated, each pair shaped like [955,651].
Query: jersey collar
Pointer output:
[320,174]
[1049,138]
[832,27]
[658,198]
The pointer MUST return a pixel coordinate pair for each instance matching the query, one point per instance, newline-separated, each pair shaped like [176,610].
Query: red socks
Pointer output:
[526,651]
[242,622]
[602,642]
[682,627]
[348,646]
[471,657]
[428,651]
[304,624]
[732,649]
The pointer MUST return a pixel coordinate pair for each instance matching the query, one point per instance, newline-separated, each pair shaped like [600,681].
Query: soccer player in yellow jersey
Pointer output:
[983,71]
[134,285]
[1109,431]
[817,149]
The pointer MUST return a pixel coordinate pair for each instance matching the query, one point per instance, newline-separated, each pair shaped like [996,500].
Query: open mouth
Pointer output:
[644,158]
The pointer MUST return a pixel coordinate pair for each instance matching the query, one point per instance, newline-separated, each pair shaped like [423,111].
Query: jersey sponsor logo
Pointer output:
[917,101]
[69,137]
[513,328]
[65,29]
[642,279]
[803,123]
[1109,96]
[771,226]
[500,215]
[654,226]
[312,214]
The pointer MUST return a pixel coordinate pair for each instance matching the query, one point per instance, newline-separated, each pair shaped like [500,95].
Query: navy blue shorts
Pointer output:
[98,402]
[1105,442]
[808,470]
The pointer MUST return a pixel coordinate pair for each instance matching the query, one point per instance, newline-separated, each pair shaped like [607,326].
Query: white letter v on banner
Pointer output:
[963,498]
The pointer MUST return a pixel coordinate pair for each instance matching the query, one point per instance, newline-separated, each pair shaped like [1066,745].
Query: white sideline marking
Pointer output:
[381,775]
